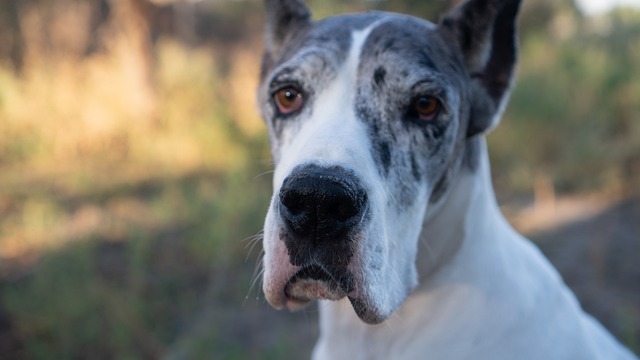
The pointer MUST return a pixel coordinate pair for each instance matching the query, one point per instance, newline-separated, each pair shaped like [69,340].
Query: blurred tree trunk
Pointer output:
[131,18]
[130,24]
[11,42]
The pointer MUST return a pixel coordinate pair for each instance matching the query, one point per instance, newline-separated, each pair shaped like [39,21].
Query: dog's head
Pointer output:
[369,116]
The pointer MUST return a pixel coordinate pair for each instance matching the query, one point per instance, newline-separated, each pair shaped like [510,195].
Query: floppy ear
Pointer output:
[284,18]
[485,32]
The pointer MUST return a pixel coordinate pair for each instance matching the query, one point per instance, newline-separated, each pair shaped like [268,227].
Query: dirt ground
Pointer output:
[599,258]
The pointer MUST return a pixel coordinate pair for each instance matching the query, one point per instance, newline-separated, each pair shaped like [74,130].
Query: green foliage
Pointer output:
[122,217]
[134,200]
[101,298]
[573,112]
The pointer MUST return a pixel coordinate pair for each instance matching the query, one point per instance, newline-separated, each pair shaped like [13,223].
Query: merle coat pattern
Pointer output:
[383,208]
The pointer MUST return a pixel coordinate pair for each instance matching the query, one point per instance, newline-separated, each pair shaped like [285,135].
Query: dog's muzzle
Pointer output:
[322,211]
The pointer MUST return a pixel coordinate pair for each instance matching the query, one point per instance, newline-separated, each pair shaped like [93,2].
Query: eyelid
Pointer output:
[285,81]
[282,78]
[276,85]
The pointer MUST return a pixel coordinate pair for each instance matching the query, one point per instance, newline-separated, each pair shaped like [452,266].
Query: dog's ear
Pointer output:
[284,19]
[485,32]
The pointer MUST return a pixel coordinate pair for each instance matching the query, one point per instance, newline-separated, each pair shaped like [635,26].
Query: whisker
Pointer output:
[263,173]
[267,162]
[252,242]
[258,272]
[252,238]
[255,242]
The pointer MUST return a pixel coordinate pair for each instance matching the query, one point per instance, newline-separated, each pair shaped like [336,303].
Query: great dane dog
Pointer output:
[383,207]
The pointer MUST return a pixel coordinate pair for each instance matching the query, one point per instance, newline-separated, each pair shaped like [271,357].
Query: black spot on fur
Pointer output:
[436,130]
[379,137]
[379,76]
[425,61]
[384,152]
[389,44]
[415,169]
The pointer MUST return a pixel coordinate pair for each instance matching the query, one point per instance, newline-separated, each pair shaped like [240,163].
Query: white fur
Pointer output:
[495,296]
[485,292]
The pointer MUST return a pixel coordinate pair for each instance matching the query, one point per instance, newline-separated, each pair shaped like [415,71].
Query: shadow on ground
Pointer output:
[153,297]
[598,258]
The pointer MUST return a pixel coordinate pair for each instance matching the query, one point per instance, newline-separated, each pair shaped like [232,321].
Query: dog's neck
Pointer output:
[463,220]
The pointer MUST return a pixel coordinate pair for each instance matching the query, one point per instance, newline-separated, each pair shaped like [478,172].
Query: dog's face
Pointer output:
[368,117]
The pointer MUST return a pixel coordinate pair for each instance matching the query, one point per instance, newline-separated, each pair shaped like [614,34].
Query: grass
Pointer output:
[134,285]
[127,188]
[120,204]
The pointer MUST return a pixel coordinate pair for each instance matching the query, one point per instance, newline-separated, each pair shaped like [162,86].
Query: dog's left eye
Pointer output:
[425,108]
[288,100]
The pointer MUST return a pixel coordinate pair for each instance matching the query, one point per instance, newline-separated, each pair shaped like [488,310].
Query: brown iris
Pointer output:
[288,100]
[426,107]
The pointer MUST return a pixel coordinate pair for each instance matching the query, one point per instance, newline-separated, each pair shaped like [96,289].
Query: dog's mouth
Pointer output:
[312,283]
[294,286]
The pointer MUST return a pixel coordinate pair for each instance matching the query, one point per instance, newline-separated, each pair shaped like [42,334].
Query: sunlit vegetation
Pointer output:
[573,115]
[134,169]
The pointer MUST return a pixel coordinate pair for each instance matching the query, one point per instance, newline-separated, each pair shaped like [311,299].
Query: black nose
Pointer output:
[321,203]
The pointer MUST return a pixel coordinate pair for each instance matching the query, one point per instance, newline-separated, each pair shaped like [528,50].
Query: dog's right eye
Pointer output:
[288,100]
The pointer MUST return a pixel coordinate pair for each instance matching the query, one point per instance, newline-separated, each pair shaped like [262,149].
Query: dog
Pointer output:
[383,207]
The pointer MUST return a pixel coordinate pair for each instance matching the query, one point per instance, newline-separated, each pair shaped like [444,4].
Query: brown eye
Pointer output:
[288,100]
[426,107]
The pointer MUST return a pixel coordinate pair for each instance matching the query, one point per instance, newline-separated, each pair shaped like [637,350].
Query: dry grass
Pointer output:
[129,177]
[73,126]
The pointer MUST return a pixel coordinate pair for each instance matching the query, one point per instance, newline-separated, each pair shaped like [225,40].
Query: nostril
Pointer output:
[343,209]
[294,202]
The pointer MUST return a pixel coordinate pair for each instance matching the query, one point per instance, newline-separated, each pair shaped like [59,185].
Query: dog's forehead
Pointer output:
[411,47]
[337,31]
[327,43]
[405,43]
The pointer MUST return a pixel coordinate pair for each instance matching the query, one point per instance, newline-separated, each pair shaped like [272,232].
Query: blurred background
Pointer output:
[135,172]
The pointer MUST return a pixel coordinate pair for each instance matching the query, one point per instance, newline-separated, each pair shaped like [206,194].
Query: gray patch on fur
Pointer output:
[403,57]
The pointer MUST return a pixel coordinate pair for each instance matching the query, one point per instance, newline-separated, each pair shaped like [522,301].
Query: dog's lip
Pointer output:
[311,283]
